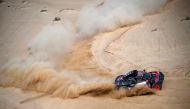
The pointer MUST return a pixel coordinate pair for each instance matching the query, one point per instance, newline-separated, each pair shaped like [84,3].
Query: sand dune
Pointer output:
[159,42]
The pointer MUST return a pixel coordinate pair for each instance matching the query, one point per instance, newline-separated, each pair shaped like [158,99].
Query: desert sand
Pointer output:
[160,42]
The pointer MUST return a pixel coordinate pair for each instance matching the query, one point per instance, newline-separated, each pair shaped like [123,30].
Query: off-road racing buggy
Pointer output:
[133,78]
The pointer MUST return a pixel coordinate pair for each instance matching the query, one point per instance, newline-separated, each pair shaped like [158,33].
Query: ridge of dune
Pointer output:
[159,47]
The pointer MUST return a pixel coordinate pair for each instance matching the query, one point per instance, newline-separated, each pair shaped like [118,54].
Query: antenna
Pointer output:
[159,49]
